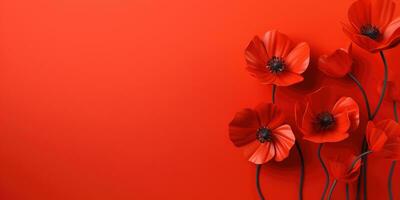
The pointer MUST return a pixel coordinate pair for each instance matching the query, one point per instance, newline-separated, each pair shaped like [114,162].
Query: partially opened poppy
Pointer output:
[372,26]
[262,133]
[339,164]
[384,137]
[275,60]
[322,116]
[337,64]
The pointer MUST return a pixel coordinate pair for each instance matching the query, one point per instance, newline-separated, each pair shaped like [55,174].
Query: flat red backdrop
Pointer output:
[122,99]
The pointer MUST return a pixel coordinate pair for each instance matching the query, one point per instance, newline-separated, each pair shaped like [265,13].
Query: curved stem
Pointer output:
[363,92]
[273,93]
[373,115]
[358,158]
[325,171]
[260,194]
[390,179]
[362,170]
[347,192]
[363,148]
[385,78]
[301,170]
[392,167]
[331,190]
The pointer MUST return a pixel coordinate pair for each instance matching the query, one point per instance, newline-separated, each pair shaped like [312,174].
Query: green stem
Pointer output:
[347,192]
[325,172]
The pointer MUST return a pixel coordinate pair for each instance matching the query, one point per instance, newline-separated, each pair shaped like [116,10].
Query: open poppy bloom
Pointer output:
[339,164]
[384,137]
[372,26]
[275,60]
[338,64]
[325,117]
[262,133]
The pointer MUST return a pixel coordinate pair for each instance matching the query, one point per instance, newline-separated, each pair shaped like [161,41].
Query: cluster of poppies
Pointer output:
[322,116]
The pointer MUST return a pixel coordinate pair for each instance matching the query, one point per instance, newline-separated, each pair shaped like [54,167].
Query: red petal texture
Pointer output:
[298,59]
[392,34]
[376,138]
[259,153]
[283,140]
[243,133]
[347,104]
[339,164]
[243,127]
[384,137]
[336,65]
[378,13]
[270,115]
[256,58]
[276,44]
[344,110]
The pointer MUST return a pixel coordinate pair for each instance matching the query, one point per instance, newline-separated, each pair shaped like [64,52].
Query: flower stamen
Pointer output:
[276,65]
[370,31]
[264,134]
[325,121]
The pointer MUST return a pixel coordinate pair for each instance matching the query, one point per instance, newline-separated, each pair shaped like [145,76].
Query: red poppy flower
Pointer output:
[384,137]
[338,64]
[262,133]
[339,164]
[324,117]
[372,26]
[275,60]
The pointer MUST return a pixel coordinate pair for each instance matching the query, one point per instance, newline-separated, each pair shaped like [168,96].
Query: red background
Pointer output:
[122,99]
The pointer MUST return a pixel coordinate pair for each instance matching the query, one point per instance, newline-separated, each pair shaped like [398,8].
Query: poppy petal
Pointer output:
[243,127]
[323,99]
[376,137]
[361,40]
[270,115]
[283,140]
[339,164]
[337,134]
[298,59]
[277,44]
[391,36]
[336,65]
[392,149]
[359,13]
[382,12]
[287,78]
[390,127]
[262,154]
[349,106]
[265,77]
[256,55]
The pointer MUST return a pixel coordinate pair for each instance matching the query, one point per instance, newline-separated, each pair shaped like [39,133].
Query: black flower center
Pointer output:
[370,31]
[264,134]
[325,121]
[276,65]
